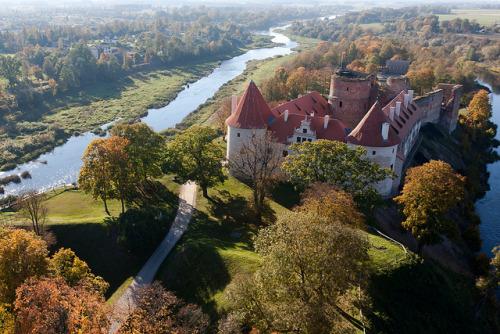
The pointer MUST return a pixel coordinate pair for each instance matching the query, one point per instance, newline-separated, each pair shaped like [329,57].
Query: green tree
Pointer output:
[107,171]
[194,156]
[145,148]
[337,164]
[309,268]
[430,191]
[421,80]
[10,68]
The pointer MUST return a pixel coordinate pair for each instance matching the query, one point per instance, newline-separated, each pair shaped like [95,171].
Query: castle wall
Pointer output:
[452,96]
[385,157]
[351,97]
[394,86]
[431,104]
[398,169]
[236,137]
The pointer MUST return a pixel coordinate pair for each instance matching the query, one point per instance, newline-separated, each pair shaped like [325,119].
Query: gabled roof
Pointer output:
[369,130]
[408,116]
[282,130]
[305,105]
[252,111]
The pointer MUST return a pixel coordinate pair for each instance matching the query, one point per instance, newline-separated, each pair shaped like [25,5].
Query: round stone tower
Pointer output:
[351,95]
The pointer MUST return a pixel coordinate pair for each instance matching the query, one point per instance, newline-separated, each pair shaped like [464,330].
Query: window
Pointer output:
[238,134]
[285,153]
[340,104]
[298,140]
[304,139]
[392,167]
[347,88]
[393,150]
[309,139]
[304,130]
[374,152]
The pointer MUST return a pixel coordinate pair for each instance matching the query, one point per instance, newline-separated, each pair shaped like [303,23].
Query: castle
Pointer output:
[384,122]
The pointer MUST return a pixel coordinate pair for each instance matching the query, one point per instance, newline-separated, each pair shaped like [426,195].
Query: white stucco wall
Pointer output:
[235,138]
[385,157]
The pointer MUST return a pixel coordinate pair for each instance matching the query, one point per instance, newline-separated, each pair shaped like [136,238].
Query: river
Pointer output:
[61,166]
[488,207]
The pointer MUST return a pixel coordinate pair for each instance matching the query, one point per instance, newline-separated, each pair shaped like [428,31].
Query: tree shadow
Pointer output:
[155,196]
[286,195]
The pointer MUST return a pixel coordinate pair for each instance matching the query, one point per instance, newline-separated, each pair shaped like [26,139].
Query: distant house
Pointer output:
[396,67]
[95,51]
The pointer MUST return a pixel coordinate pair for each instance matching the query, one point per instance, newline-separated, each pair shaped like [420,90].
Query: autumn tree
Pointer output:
[160,311]
[50,305]
[421,80]
[145,149]
[258,161]
[477,119]
[335,163]
[332,203]
[429,193]
[22,254]
[31,204]
[222,113]
[65,264]
[193,155]
[107,172]
[308,269]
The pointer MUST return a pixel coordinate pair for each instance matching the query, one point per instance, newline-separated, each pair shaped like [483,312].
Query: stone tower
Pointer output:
[351,96]
[251,115]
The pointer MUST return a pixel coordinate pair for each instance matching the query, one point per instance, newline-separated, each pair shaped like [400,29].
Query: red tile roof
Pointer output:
[368,132]
[403,123]
[283,130]
[252,111]
[305,105]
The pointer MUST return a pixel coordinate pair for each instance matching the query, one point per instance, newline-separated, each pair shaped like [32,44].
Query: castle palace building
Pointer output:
[386,123]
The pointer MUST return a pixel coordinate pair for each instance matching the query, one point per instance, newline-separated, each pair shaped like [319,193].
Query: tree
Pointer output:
[332,203]
[477,119]
[194,156]
[308,270]
[430,191]
[145,149]
[10,69]
[106,171]
[259,161]
[221,115]
[160,311]
[421,80]
[335,163]
[32,206]
[65,264]
[22,254]
[50,305]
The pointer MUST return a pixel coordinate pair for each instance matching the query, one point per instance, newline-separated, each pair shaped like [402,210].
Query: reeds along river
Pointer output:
[488,207]
[61,166]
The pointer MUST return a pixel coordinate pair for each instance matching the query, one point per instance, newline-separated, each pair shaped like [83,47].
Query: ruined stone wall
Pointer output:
[452,96]
[431,103]
[394,86]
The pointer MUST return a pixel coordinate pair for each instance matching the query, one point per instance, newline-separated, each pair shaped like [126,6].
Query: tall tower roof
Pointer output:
[252,112]
[369,130]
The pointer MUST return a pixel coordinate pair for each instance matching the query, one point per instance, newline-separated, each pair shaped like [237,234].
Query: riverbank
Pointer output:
[128,98]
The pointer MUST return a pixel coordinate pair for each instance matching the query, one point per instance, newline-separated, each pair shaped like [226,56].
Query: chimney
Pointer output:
[234,103]
[385,131]
[410,92]
[286,115]
[406,100]
[325,125]
[391,113]
[398,108]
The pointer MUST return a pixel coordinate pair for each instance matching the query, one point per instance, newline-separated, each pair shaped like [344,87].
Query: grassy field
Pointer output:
[482,16]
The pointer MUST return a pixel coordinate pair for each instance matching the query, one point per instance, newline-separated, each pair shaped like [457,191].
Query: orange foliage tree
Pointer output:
[160,311]
[430,191]
[421,80]
[50,305]
[332,203]
[477,120]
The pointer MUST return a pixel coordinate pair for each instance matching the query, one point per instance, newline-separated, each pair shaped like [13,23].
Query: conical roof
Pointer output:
[368,132]
[252,111]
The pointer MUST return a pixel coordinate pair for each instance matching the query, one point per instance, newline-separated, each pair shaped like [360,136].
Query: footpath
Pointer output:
[127,302]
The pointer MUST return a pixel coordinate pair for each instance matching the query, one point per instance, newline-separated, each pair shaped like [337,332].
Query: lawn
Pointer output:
[482,16]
